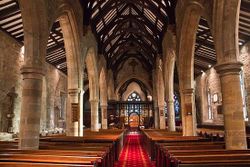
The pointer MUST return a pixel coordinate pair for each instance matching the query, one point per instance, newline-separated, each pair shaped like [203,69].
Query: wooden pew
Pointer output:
[50,159]
[37,164]
[214,159]
[201,154]
[150,139]
[64,147]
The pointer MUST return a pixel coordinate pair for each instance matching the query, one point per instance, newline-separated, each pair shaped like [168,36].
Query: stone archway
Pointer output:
[169,59]
[160,91]
[36,33]
[68,16]
[92,69]
[186,36]
[103,97]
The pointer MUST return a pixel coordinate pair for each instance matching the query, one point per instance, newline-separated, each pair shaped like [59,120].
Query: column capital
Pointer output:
[32,72]
[103,105]
[229,68]
[94,101]
[161,107]
[74,91]
[170,101]
[188,91]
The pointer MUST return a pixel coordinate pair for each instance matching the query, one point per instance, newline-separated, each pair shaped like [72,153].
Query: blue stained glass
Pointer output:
[177,105]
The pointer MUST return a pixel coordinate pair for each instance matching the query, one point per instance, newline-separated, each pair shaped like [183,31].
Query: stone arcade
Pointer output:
[81,68]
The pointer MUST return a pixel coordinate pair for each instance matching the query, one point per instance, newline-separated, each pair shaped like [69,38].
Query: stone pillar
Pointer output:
[188,112]
[94,115]
[81,113]
[155,100]
[162,117]
[232,104]
[156,117]
[104,109]
[73,109]
[31,108]
[171,115]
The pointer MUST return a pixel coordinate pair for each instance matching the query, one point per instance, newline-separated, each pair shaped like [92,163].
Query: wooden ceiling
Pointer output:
[128,28]
[11,23]
[205,56]
[124,29]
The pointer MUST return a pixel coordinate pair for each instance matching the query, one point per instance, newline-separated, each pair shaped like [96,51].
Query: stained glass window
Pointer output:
[243,92]
[133,97]
[177,105]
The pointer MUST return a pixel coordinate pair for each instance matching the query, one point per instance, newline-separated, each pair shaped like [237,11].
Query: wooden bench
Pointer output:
[96,149]
[48,159]
[150,139]
[200,154]
[214,159]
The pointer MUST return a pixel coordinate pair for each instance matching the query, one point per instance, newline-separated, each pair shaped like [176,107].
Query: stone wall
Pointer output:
[132,69]
[208,97]
[208,84]
[54,89]
[10,81]
[54,99]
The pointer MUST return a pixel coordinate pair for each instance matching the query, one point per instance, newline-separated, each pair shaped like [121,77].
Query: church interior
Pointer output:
[124,83]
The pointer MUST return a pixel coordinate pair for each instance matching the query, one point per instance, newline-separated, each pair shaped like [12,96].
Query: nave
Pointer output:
[77,75]
[134,153]
[125,148]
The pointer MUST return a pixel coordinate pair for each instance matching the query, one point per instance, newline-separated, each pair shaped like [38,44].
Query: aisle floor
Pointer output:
[133,154]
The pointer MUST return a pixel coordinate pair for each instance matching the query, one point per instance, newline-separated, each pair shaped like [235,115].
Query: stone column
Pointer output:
[156,117]
[104,109]
[73,109]
[94,115]
[171,115]
[155,100]
[188,112]
[162,117]
[31,108]
[232,104]
[81,113]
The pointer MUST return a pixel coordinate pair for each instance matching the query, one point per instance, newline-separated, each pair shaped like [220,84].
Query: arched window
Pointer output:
[177,105]
[133,97]
[244,95]
[209,102]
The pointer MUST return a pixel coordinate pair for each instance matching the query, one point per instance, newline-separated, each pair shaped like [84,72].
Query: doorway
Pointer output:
[134,120]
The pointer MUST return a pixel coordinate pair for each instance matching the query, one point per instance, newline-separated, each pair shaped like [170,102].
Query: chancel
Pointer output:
[122,83]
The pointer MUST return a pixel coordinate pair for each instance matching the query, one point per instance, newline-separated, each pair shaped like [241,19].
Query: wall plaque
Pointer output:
[188,108]
[161,113]
[75,112]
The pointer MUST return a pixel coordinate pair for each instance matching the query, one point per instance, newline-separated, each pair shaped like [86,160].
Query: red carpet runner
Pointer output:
[133,154]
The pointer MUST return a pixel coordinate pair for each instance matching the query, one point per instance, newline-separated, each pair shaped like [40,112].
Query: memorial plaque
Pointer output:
[75,112]
[161,113]
[189,108]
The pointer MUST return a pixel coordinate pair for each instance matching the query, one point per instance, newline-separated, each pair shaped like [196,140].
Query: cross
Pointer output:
[133,63]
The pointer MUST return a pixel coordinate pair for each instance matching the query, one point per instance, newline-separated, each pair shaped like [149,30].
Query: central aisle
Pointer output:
[133,154]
